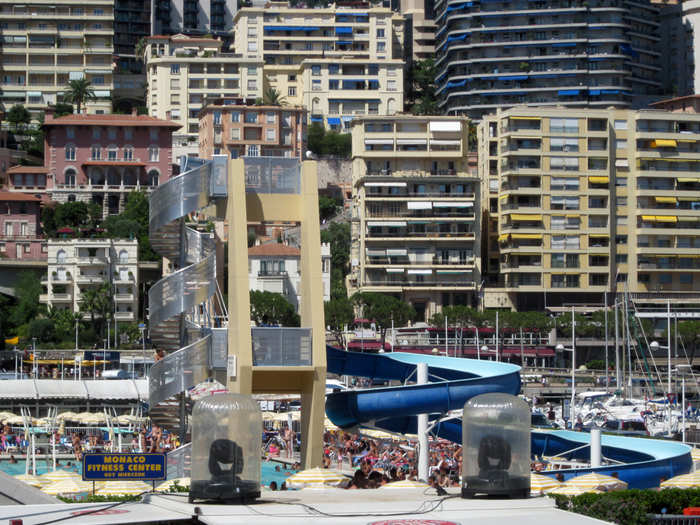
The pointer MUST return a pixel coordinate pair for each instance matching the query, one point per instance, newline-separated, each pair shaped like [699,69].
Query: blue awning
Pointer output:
[597,27]
[598,59]
[358,14]
[456,84]
[567,92]
[343,30]
[316,119]
[347,119]
[458,37]
[291,28]
[343,42]
[564,44]
[513,77]
[627,50]
[334,121]
[610,91]
[374,84]
[594,92]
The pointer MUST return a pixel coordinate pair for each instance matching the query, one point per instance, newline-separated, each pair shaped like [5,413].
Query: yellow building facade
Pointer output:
[337,62]
[581,204]
[416,212]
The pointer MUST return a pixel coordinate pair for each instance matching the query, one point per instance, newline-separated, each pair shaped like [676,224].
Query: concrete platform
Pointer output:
[310,507]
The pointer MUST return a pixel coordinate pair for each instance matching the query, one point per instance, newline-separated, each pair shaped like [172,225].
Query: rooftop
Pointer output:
[274,249]
[27,169]
[108,120]
[12,196]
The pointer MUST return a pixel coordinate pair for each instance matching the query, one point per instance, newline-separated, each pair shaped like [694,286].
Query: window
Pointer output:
[621,181]
[565,203]
[128,153]
[270,117]
[316,71]
[621,220]
[174,83]
[292,78]
[175,98]
[620,124]
[253,150]
[380,33]
[270,135]
[686,278]
[292,92]
[563,144]
[252,70]
[252,31]
[391,85]
[564,184]
[381,47]
[621,239]
[174,69]
[563,125]
[333,69]
[153,153]
[128,133]
[621,144]
[665,278]
[621,258]
[235,133]
[316,85]
[217,118]
[96,153]
[252,84]
[70,152]
[112,152]
[112,133]
[69,177]
[70,132]
[251,117]
[620,201]
[153,133]
[235,116]
[96,132]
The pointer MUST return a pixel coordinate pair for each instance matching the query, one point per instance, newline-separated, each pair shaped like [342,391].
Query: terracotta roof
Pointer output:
[28,169]
[676,99]
[12,196]
[110,120]
[274,249]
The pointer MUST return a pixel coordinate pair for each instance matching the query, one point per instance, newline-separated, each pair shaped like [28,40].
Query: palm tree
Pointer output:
[97,302]
[272,97]
[79,92]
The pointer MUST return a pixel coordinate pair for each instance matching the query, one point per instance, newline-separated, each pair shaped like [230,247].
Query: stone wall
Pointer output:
[335,175]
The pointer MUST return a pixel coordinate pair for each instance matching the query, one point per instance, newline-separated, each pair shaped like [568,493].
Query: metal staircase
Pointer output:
[181,304]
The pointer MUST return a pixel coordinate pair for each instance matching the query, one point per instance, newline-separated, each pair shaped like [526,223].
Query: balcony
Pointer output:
[92,261]
[124,297]
[124,316]
[270,273]
[90,279]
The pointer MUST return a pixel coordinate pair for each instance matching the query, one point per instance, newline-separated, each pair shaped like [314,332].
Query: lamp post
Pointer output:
[682,371]
[561,348]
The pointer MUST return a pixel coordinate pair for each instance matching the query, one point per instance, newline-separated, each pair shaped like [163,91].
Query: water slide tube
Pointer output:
[453,381]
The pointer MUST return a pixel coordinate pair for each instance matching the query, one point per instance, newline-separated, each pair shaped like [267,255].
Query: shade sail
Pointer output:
[523,217]
[526,236]
[49,388]
[124,389]
[664,143]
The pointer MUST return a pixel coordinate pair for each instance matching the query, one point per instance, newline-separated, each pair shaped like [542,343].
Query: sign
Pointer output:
[231,366]
[142,467]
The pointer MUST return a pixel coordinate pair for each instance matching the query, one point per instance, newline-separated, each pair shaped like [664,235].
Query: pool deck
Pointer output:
[308,507]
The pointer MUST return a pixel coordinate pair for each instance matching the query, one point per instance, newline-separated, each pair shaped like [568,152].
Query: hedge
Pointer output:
[630,507]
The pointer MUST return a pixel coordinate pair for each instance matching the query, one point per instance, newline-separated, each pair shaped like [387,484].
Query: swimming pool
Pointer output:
[268,472]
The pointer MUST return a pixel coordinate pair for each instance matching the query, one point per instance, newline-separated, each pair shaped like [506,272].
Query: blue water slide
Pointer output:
[453,381]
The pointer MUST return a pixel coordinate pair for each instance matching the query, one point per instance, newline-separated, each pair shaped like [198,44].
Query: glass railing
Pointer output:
[272,175]
[275,346]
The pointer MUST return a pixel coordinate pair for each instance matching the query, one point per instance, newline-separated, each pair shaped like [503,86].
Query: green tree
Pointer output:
[423,74]
[61,109]
[27,291]
[97,303]
[338,236]
[19,117]
[383,309]
[272,97]
[79,92]
[42,329]
[272,308]
[328,143]
[326,207]
[64,321]
[140,48]
[132,223]
[339,314]
[315,136]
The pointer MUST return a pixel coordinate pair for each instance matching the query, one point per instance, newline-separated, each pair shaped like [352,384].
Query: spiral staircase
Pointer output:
[185,306]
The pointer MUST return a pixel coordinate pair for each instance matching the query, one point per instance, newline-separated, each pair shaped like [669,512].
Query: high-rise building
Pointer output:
[45,45]
[238,128]
[337,62]
[132,23]
[690,31]
[182,71]
[573,53]
[416,211]
[420,29]
[584,203]
[193,17]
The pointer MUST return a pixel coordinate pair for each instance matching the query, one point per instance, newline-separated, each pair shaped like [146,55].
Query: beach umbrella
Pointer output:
[268,416]
[593,480]
[567,490]
[67,486]
[314,477]
[15,420]
[123,487]
[406,484]
[166,486]
[378,434]
[5,414]
[29,479]
[540,484]
[58,475]
[66,416]
[684,481]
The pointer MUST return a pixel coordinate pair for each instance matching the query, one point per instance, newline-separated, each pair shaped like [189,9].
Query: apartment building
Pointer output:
[585,203]
[98,158]
[239,128]
[132,22]
[76,265]
[337,62]
[47,44]
[275,267]
[181,71]
[572,53]
[416,211]
[193,17]
[420,29]
[20,227]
